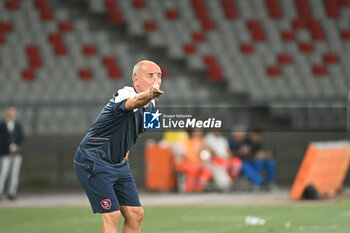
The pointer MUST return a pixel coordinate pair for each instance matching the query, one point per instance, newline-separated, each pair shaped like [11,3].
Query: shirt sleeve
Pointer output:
[122,96]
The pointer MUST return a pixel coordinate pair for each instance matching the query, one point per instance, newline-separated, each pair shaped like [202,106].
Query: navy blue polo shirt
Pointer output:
[115,130]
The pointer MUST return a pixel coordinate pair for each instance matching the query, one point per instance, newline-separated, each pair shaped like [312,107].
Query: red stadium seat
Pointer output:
[28,74]
[90,50]
[109,61]
[274,8]
[306,47]
[5,27]
[209,60]
[332,8]
[55,38]
[139,4]
[284,58]
[46,15]
[198,37]
[203,15]
[150,26]
[208,25]
[215,73]
[303,9]
[319,70]
[247,48]
[274,71]
[85,74]
[299,24]
[65,26]
[189,49]
[115,16]
[32,50]
[344,2]
[114,73]
[60,49]
[230,9]
[256,30]
[231,14]
[35,61]
[41,4]
[288,36]
[111,4]
[253,24]
[172,14]
[345,34]
[2,39]
[12,4]
[330,58]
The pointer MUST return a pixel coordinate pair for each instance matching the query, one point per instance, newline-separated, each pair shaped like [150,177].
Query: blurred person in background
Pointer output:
[225,166]
[11,139]
[194,163]
[101,162]
[176,141]
[257,159]
[238,142]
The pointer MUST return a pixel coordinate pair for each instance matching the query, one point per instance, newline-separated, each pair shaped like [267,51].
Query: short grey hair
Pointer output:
[138,65]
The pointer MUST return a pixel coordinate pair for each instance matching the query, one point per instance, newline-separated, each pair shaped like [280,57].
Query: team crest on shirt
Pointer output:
[106,204]
[151,120]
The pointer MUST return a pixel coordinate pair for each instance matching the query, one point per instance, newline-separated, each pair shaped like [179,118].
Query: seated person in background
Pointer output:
[193,163]
[225,167]
[176,141]
[256,159]
[238,142]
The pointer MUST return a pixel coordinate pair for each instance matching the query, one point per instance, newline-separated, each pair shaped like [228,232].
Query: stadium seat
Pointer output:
[284,59]
[273,71]
[85,74]
[89,50]
[172,14]
[150,26]
[189,49]
[330,58]
[319,70]
[12,4]
[247,48]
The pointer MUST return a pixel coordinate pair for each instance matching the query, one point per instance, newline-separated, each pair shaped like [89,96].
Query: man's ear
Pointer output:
[134,79]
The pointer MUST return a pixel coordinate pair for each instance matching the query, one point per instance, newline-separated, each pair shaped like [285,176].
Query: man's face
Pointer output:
[147,75]
[239,135]
[256,137]
[10,113]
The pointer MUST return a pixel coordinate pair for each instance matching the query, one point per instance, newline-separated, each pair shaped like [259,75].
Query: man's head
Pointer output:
[256,136]
[145,74]
[10,113]
[239,132]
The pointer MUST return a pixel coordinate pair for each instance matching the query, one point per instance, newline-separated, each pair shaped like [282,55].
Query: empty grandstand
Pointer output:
[60,60]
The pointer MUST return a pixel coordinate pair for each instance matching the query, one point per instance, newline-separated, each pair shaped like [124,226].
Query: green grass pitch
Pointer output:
[320,217]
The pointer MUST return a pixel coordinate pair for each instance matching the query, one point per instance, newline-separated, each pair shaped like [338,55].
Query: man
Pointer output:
[257,160]
[192,165]
[101,162]
[225,167]
[11,139]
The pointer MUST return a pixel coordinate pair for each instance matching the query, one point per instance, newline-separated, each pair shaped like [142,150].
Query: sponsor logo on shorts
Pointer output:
[106,204]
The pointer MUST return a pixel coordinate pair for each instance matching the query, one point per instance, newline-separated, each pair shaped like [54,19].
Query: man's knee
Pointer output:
[111,220]
[134,215]
[138,214]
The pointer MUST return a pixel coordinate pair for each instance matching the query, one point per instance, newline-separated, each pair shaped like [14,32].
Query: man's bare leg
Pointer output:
[133,217]
[110,222]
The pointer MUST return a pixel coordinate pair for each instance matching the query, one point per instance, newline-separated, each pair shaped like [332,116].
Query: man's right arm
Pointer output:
[143,98]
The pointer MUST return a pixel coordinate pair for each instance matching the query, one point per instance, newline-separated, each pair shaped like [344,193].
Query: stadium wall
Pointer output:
[48,159]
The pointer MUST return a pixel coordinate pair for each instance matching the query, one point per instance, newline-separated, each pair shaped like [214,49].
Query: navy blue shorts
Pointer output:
[107,187]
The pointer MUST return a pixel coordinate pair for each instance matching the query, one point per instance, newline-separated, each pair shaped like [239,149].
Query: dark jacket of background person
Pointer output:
[6,138]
